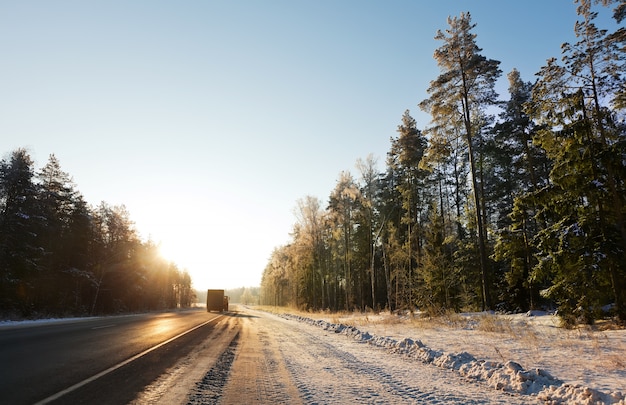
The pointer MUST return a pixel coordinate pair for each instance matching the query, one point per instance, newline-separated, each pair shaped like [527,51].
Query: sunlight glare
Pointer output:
[169,252]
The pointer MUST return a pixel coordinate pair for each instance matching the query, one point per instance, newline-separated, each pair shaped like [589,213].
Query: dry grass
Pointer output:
[445,319]
[495,324]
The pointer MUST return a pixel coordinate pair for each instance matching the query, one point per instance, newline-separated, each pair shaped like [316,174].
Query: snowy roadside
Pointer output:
[328,368]
[5,324]
[581,367]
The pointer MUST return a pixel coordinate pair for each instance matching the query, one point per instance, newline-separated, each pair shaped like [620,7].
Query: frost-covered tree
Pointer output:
[342,206]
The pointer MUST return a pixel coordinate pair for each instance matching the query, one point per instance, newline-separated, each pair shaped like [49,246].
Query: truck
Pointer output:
[216,301]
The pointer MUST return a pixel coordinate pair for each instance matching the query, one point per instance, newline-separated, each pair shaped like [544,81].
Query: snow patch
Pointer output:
[509,376]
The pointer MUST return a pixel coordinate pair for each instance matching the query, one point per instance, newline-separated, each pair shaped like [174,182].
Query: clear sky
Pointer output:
[209,119]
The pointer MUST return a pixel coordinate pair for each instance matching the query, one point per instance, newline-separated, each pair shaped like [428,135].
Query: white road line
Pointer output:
[115,367]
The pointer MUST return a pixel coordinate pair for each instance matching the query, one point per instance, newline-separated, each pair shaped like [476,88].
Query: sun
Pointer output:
[188,255]
[179,251]
[169,252]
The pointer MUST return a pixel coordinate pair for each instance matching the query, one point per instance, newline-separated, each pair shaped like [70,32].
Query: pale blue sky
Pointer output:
[209,119]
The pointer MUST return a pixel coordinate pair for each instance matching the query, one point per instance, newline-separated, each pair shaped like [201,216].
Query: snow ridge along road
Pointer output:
[534,384]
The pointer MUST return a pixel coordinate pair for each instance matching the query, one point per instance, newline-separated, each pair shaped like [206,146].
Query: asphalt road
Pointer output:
[38,361]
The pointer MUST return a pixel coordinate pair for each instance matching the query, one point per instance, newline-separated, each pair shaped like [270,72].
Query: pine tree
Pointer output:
[464,87]
[391,233]
[60,207]
[20,252]
[369,191]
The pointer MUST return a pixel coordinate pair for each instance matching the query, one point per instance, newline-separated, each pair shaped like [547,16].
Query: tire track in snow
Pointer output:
[209,390]
[258,373]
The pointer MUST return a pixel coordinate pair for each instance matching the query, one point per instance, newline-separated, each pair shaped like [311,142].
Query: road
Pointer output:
[41,360]
[193,358]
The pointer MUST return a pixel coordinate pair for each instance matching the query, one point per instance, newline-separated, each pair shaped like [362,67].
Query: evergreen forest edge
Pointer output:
[61,257]
[476,212]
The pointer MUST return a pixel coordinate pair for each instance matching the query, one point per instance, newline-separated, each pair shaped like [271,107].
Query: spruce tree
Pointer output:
[584,247]
[406,154]
[523,168]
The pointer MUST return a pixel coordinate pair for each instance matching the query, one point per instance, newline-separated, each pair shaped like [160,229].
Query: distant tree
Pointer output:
[275,280]
[116,244]
[372,223]
[464,87]
[391,232]
[307,253]
[343,204]
[78,251]
[246,297]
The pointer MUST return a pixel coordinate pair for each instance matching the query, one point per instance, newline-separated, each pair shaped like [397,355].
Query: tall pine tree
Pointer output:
[464,87]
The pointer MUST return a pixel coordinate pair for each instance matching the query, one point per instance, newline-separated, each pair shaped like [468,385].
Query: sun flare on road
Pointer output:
[161,326]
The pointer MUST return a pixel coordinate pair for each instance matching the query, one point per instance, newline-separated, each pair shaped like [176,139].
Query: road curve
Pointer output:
[41,360]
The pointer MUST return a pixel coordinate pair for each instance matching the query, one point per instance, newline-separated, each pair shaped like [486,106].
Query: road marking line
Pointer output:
[115,367]
[102,327]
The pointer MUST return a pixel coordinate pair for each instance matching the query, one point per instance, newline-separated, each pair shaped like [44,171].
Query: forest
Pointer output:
[61,257]
[496,205]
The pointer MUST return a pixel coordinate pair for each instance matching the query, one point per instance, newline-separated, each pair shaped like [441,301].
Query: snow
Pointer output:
[526,354]
[386,358]
[4,324]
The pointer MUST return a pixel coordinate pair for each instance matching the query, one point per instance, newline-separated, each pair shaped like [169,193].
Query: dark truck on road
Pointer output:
[216,301]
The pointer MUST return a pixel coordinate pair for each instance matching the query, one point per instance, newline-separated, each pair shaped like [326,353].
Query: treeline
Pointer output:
[241,295]
[59,256]
[244,295]
[514,211]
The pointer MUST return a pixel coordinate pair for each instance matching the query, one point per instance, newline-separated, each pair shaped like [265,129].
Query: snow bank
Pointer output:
[509,376]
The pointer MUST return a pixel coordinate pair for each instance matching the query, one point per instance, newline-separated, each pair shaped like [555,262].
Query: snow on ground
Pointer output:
[528,358]
[4,324]
[526,353]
